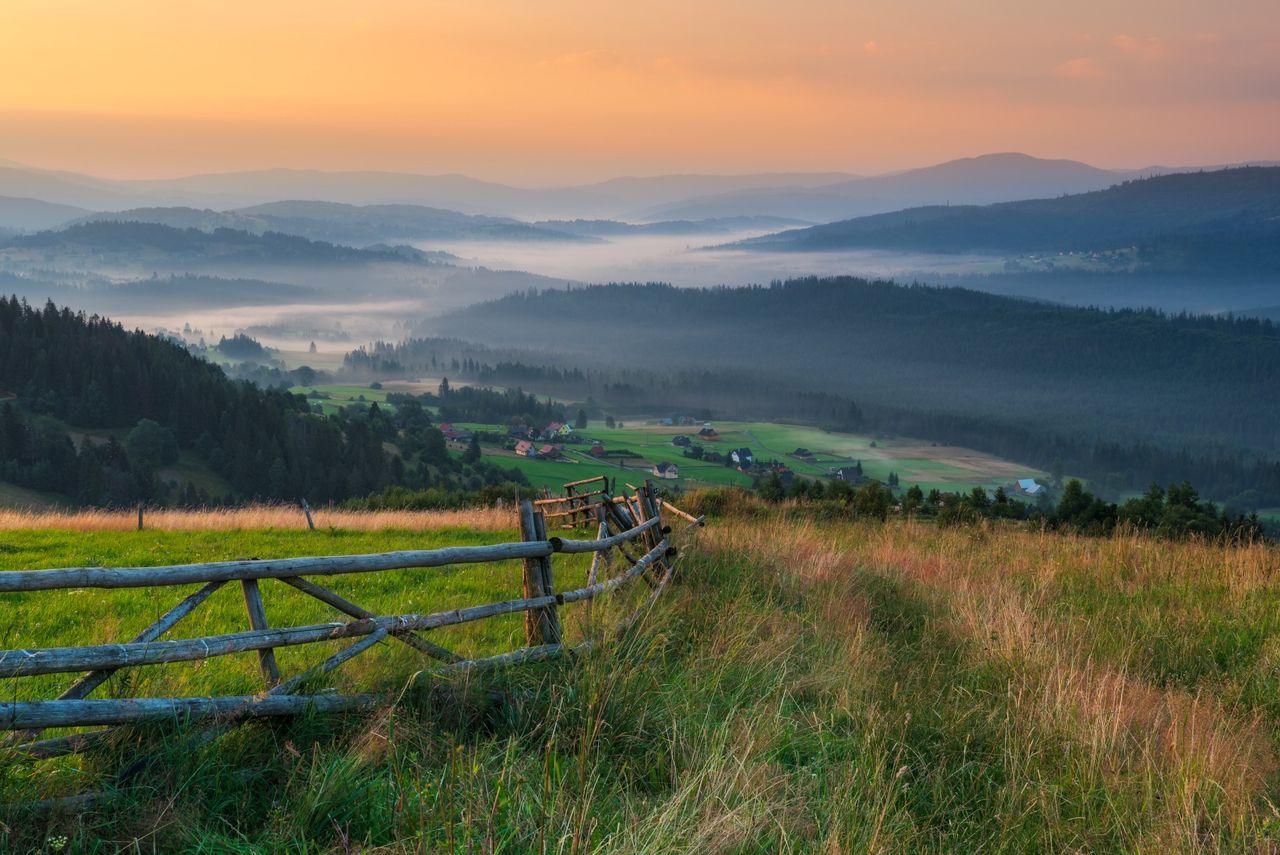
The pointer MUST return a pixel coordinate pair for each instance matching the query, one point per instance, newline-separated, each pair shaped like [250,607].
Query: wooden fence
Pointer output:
[631,525]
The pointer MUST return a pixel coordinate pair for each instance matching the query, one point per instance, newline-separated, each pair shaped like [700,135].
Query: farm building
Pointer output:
[742,456]
[524,448]
[551,452]
[681,440]
[596,450]
[802,452]
[850,474]
[556,430]
[666,470]
[713,457]
[1030,487]
[520,432]
[708,433]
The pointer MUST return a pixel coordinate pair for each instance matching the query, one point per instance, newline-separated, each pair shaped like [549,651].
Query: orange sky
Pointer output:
[541,91]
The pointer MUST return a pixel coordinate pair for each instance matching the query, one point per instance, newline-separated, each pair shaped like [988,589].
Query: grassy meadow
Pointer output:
[946,468]
[810,686]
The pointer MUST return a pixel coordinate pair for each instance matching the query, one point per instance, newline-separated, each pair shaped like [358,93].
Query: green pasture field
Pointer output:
[946,468]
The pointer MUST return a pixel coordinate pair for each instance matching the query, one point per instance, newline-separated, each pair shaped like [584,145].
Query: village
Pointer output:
[684,451]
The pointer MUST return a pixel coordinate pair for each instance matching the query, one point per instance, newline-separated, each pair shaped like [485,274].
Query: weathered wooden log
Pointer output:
[590,480]
[601,558]
[53,660]
[224,571]
[306,509]
[646,561]
[684,515]
[549,614]
[258,620]
[83,713]
[541,626]
[86,684]
[167,621]
[578,546]
[71,744]
[502,660]
[13,581]
[344,605]
[346,653]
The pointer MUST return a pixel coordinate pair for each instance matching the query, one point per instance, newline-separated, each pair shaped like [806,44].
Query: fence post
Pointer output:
[542,625]
[306,509]
[258,620]
[139,516]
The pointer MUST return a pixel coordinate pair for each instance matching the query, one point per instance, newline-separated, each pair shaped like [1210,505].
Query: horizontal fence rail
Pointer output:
[631,525]
[17,581]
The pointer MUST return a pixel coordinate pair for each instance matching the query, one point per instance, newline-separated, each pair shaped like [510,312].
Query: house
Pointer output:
[551,452]
[520,432]
[742,456]
[524,448]
[556,430]
[596,450]
[849,474]
[802,452]
[708,433]
[1030,487]
[667,421]
[686,421]
[681,440]
[666,470]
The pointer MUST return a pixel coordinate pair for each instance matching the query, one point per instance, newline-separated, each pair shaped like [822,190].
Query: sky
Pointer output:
[541,92]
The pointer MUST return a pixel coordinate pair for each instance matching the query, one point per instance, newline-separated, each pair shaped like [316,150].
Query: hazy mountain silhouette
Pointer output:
[34,214]
[973,180]
[1239,201]
[337,222]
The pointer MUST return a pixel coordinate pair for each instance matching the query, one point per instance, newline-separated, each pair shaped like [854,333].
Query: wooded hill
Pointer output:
[1241,205]
[1029,380]
[128,240]
[69,370]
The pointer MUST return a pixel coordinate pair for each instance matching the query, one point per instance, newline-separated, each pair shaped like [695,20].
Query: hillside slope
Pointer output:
[1240,203]
[809,687]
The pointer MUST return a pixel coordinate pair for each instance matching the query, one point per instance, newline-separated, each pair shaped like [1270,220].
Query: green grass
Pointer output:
[943,467]
[807,687]
[52,619]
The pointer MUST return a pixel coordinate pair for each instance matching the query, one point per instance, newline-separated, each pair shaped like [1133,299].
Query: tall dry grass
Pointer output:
[257,517]
[1200,765]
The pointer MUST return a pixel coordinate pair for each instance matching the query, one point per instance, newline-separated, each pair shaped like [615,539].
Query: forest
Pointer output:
[64,371]
[1122,396]
[1232,207]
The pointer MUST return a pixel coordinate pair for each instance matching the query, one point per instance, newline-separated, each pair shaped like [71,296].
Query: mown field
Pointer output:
[809,686]
[931,466]
[946,468]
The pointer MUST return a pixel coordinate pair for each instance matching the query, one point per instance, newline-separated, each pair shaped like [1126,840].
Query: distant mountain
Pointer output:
[18,214]
[973,180]
[721,225]
[1231,202]
[67,188]
[807,196]
[130,241]
[336,222]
